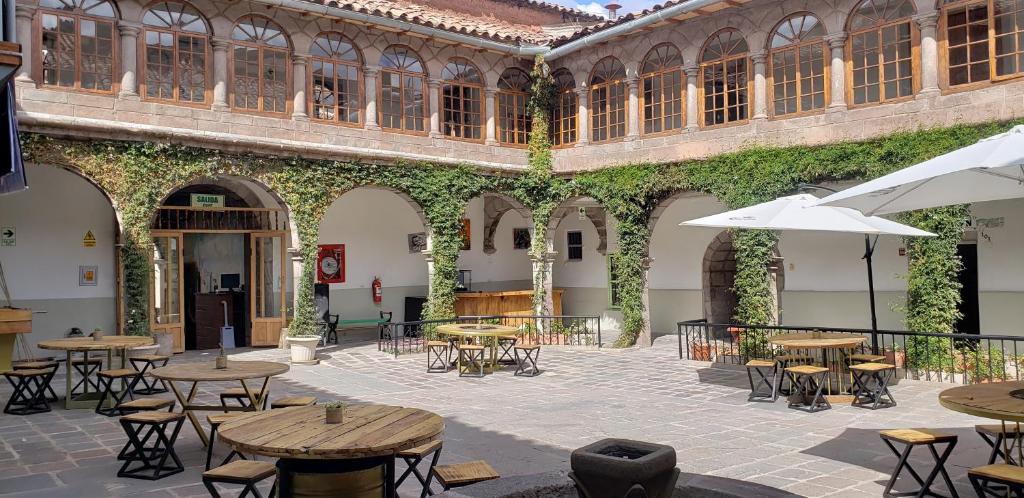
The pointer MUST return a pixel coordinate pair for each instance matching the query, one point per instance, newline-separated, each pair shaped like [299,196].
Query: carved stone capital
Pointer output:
[24,12]
[836,40]
[759,57]
[220,44]
[927,21]
[300,59]
[371,70]
[128,29]
[691,70]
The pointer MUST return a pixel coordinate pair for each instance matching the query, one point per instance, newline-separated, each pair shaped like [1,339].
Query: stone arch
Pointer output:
[401,194]
[496,205]
[590,208]
[718,276]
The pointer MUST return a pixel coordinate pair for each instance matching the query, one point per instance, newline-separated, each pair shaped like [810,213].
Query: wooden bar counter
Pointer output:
[507,303]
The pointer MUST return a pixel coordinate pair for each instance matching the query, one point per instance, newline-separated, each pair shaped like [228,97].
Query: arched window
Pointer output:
[608,100]
[402,106]
[462,100]
[723,67]
[881,51]
[662,81]
[566,105]
[260,70]
[971,27]
[78,46]
[334,79]
[798,70]
[176,53]
[513,113]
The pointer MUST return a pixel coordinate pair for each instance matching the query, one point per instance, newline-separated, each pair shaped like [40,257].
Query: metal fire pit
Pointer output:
[620,468]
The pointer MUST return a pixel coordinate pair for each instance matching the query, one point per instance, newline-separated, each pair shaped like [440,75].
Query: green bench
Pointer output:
[379,323]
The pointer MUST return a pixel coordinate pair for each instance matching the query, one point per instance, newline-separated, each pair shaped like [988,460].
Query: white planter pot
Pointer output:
[143,350]
[304,349]
[164,342]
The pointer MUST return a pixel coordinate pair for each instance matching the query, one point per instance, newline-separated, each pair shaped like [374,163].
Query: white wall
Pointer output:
[586,282]
[1001,267]
[374,225]
[50,220]
[506,268]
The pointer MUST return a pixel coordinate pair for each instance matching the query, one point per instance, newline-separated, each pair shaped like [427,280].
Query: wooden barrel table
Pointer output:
[355,458]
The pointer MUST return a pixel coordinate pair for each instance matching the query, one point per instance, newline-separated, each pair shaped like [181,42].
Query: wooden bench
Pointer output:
[107,379]
[245,472]
[29,396]
[413,457]
[994,434]
[1002,474]
[871,384]
[215,421]
[158,459]
[145,405]
[912,438]
[758,366]
[292,401]
[471,356]
[865,358]
[809,381]
[41,364]
[463,474]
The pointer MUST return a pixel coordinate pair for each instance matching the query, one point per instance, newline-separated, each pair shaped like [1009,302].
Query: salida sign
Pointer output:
[207,200]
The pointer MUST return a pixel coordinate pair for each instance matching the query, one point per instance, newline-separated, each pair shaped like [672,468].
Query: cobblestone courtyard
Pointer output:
[529,425]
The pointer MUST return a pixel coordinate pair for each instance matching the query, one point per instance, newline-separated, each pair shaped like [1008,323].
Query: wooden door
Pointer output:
[167,292]
[267,295]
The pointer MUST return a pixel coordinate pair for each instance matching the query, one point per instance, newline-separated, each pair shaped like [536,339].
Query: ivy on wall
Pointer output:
[137,176]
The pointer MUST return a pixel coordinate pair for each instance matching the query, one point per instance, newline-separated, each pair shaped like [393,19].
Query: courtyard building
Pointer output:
[267,135]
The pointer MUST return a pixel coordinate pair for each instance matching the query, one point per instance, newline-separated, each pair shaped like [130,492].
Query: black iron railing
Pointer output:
[565,330]
[960,358]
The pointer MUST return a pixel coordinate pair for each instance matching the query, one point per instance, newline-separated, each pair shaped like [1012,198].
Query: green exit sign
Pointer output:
[207,200]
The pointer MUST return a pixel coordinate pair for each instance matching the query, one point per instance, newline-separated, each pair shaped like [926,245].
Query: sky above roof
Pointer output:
[598,6]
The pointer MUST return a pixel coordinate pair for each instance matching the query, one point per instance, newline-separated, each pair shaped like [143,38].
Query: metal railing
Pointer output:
[563,330]
[959,358]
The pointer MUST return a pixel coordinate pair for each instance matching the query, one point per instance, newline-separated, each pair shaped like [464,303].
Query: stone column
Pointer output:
[129,60]
[582,117]
[837,73]
[633,131]
[434,97]
[692,117]
[759,60]
[370,88]
[644,338]
[490,110]
[23,15]
[929,53]
[542,270]
[299,112]
[220,73]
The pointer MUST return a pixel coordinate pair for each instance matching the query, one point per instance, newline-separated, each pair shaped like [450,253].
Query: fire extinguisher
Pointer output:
[377,291]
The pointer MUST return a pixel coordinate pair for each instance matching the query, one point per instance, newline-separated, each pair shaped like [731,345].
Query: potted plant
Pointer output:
[303,346]
[896,356]
[164,341]
[334,412]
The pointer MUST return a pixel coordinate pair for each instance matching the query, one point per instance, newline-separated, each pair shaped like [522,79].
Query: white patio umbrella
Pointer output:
[989,170]
[800,212]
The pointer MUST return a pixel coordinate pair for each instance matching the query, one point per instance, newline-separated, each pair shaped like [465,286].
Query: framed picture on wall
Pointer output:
[330,264]
[87,276]
[417,242]
[464,234]
[520,238]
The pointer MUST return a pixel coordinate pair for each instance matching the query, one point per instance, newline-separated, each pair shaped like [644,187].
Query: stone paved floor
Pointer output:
[529,425]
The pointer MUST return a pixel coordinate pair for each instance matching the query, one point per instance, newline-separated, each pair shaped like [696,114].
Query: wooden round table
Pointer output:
[825,341]
[86,345]
[237,371]
[334,458]
[482,332]
[1002,401]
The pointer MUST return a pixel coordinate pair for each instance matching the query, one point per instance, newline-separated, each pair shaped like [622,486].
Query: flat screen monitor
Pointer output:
[230,281]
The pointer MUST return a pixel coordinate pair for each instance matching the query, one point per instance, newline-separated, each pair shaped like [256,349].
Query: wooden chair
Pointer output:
[29,396]
[42,364]
[985,478]
[148,362]
[854,359]
[505,345]
[412,458]
[994,435]
[789,360]
[912,438]
[86,368]
[150,461]
[248,473]
[215,421]
[146,405]
[238,394]
[439,356]
[463,474]
[809,381]
[770,381]
[292,401]
[871,384]
[528,361]
[107,379]
[471,358]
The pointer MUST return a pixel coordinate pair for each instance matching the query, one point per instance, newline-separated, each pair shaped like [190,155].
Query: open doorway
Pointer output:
[970,317]
[219,273]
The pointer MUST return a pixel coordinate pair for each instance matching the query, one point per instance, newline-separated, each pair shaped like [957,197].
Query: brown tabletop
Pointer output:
[817,340]
[994,401]
[208,372]
[302,433]
[86,345]
[237,371]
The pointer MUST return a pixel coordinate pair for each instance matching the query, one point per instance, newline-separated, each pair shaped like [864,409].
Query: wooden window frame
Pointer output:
[826,55]
[402,74]
[115,65]
[175,32]
[515,96]
[642,97]
[568,246]
[261,47]
[608,110]
[915,64]
[460,86]
[360,81]
[574,118]
[943,47]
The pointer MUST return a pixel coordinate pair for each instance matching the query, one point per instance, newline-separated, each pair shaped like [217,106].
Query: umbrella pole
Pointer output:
[869,250]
